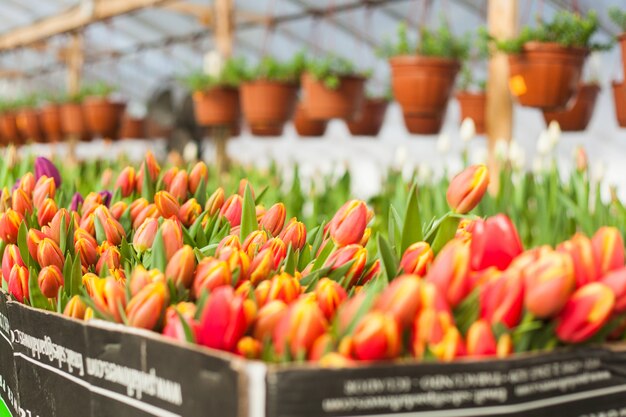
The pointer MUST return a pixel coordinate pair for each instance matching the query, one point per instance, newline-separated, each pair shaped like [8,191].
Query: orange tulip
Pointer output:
[109,256]
[502,299]
[145,234]
[548,284]
[268,318]
[10,257]
[281,287]
[231,210]
[178,186]
[616,281]
[210,274]
[346,254]
[401,299]
[586,266]
[9,225]
[586,312]
[480,339]
[609,249]
[44,188]
[147,307]
[118,209]
[429,329]
[21,202]
[199,172]
[278,248]
[274,219]
[167,204]
[254,242]
[237,260]
[417,258]
[75,308]
[172,237]
[376,337]
[215,201]
[180,269]
[467,188]
[126,181]
[189,212]
[18,283]
[140,278]
[449,272]
[108,296]
[261,266]
[50,280]
[349,223]
[294,233]
[330,295]
[49,253]
[299,327]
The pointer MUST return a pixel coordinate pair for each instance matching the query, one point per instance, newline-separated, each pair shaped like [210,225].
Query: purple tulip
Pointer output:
[106,197]
[77,200]
[44,166]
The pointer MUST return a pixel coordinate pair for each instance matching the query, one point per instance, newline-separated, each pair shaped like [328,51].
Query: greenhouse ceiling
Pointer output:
[144,49]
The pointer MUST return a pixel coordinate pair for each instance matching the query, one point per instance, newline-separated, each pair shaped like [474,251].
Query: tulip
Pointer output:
[49,253]
[75,308]
[502,299]
[432,297]
[45,167]
[376,337]
[148,212]
[330,295]
[167,204]
[495,242]
[417,258]
[91,203]
[215,202]
[118,209]
[147,307]
[168,176]
[585,313]
[548,284]
[281,287]
[429,328]
[278,249]
[198,173]
[294,233]
[586,266]
[322,345]
[335,360]
[33,239]
[88,224]
[189,212]
[27,183]
[259,211]
[181,267]
[346,254]
[467,188]
[50,279]
[106,197]
[77,200]
[268,318]
[178,186]
[9,225]
[231,210]
[145,234]
[174,317]
[46,211]
[480,339]
[44,188]
[505,346]
[237,260]
[21,202]
[228,241]
[371,272]
[298,329]
[581,159]
[261,266]
[449,272]
[609,248]
[225,319]
[274,219]
[400,299]
[140,278]
[10,257]
[249,348]
[348,310]
[450,347]
[366,236]
[137,207]
[126,181]
[616,281]
[108,296]
[172,237]
[210,274]
[60,222]
[18,283]
[254,242]
[153,170]
[349,223]
[110,257]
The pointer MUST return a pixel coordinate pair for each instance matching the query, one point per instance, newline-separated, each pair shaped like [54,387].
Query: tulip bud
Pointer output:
[27,183]
[198,172]
[149,212]
[108,296]
[126,181]
[50,279]
[181,267]
[33,239]
[261,266]
[87,223]
[145,234]
[586,312]
[449,272]
[268,318]
[548,284]
[147,307]
[298,329]
[118,209]
[450,347]
[44,188]
[231,210]
[76,202]
[335,360]
[480,339]
[168,176]
[581,159]
[89,314]
[616,281]
[495,242]
[349,223]
[429,328]
[210,274]
[278,249]
[21,202]
[609,248]
[49,253]
[215,202]
[113,230]
[467,188]
[140,278]
[225,319]
[10,257]
[167,204]
[174,315]
[400,299]
[137,207]
[178,186]
[321,347]
[505,346]
[110,257]
[18,283]
[75,308]
[281,287]
[153,170]
[330,295]
[376,337]
[249,348]
[417,258]
[237,260]
[91,203]
[294,233]
[172,237]
[346,254]
[502,299]
[60,222]
[45,167]
[254,242]
[586,266]
[274,219]
[189,212]
[9,225]
[228,241]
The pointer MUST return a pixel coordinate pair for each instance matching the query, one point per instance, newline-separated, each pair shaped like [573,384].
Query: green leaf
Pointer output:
[387,259]
[371,291]
[125,221]
[412,228]
[290,260]
[22,243]
[189,335]
[100,233]
[67,275]
[259,197]
[445,232]
[63,234]
[324,254]
[248,215]
[201,194]
[37,299]
[159,257]
[76,277]
[147,189]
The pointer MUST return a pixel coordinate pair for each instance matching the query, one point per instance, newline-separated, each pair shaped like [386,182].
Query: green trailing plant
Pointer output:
[618,16]
[331,68]
[567,29]
[27,102]
[98,89]
[478,55]
[271,69]
[233,73]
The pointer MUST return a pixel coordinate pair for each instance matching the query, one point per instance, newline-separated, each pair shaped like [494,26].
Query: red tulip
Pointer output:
[586,266]
[274,219]
[480,339]
[299,327]
[609,248]
[449,272]
[502,299]
[351,253]
[376,337]
[401,299]
[417,258]
[616,281]
[495,242]
[349,223]
[467,188]
[548,283]
[10,257]
[18,283]
[330,295]
[586,312]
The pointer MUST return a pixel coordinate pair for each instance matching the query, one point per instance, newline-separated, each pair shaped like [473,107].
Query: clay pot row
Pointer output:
[619,89]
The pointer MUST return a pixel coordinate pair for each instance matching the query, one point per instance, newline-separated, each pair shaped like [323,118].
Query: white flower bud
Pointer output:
[468,130]
[443,143]
[213,63]
[501,149]
[554,133]
[544,145]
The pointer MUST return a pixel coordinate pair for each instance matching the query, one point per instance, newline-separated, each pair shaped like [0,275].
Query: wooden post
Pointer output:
[224,33]
[502,22]
[74,60]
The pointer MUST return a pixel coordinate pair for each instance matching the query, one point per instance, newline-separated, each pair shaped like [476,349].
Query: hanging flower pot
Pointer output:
[370,119]
[268,105]
[579,111]
[73,120]
[103,116]
[28,123]
[473,106]
[305,126]
[8,128]
[619,97]
[338,100]
[133,128]
[423,124]
[217,106]
[51,122]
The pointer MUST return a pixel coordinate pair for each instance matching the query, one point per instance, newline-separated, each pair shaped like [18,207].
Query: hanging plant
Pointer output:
[102,114]
[27,118]
[471,94]
[369,120]
[51,116]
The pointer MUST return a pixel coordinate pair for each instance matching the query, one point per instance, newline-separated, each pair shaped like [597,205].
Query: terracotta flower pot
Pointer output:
[51,122]
[423,85]
[133,127]
[28,124]
[73,120]
[307,127]
[578,114]
[473,106]
[217,106]
[323,103]
[103,116]
[545,75]
[268,105]
[423,124]
[8,128]
[370,119]
[622,42]
[619,95]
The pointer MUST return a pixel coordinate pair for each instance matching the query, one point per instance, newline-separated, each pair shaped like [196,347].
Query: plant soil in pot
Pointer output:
[8,128]
[51,122]
[619,97]
[370,119]
[307,127]
[473,106]
[546,74]
[423,124]
[342,101]
[28,124]
[103,116]
[579,111]
[268,105]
